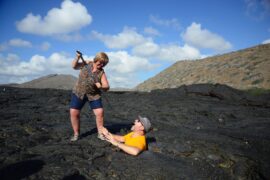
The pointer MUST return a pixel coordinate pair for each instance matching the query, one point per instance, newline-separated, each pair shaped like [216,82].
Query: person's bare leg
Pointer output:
[99,113]
[75,120]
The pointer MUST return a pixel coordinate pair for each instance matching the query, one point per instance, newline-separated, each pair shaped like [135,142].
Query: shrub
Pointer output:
[258,81]
[257,91]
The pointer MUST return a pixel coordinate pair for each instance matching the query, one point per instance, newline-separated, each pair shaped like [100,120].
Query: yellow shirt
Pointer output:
[138,142]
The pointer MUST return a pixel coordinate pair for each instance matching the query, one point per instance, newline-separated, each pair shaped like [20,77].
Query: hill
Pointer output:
[53,81]
[244,69]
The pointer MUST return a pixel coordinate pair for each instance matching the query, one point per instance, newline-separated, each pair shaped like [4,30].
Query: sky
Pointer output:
[141,38]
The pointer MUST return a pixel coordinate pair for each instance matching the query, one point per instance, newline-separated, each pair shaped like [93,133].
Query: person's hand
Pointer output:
[112,140]
[78,55]
[109,137]
[98,85]
[105,131]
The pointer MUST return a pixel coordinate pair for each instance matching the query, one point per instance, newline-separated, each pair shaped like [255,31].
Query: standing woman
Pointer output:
[92,79]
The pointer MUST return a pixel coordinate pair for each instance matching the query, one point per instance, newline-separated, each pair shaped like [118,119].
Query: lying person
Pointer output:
[134,142]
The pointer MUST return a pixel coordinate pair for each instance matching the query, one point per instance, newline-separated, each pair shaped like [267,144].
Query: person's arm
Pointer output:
[126,148]
[106,133]
[118,138]
[104,85]
[76,64]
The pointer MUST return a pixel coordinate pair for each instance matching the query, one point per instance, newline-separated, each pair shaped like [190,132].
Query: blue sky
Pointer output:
[141,37]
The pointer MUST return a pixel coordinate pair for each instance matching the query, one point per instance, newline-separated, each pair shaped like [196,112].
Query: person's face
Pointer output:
[100,64]
[137,125]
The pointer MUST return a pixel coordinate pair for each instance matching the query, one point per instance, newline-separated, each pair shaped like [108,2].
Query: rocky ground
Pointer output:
[200,132]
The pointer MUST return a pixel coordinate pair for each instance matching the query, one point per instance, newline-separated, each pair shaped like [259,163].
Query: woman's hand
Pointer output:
[78,55]
[105,131]
[109,137]
[98,84]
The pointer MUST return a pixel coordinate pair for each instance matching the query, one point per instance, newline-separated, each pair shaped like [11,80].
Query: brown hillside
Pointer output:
[53,81]
[244,69]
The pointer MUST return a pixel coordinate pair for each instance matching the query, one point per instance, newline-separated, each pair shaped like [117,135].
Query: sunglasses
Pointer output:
[101,63]
[137,120]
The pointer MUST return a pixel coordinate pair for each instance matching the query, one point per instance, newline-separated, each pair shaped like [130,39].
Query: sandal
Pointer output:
[75,138]
[101,136]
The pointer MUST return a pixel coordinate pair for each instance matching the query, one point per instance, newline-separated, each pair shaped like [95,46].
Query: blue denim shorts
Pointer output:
[77,103]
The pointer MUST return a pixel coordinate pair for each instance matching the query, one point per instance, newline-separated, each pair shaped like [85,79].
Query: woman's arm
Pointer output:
[104,85]
[76,64]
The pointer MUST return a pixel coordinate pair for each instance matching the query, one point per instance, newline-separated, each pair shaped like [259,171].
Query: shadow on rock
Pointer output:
[74,176]
[115,128]
[151,140]
[21,169]
[89,133]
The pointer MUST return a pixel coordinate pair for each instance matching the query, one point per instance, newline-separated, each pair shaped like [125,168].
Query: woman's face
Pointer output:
[100,64]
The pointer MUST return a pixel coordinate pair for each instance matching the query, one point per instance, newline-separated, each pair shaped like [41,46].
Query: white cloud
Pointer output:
[122,71]
[267,41]
[128,37]
[75,37]
[123,63]
[70,17]
[166,52]
[3,46]
[58,62]
[16,69]
[23,43]
[12,58]
[9,59]
[16,42]
[19,43]
[45,46]
[203,38]
[146,49]
[151,31]
[165,22]
[175,53]
[258,9]
[127,81]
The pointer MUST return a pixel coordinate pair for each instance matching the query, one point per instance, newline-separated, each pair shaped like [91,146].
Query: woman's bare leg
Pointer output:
[75,120]
[99,113]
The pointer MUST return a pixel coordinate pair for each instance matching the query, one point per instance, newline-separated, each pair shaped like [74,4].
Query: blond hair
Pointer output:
[102,57]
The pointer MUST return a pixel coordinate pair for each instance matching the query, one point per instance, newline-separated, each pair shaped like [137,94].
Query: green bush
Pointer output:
[258,91]
[258,81]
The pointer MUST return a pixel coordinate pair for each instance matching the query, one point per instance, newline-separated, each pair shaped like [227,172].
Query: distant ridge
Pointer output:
[244,69]
[53,81]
